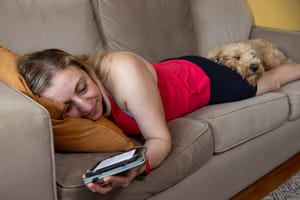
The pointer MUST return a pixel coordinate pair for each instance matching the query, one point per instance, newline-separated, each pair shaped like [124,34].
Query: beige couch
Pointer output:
[217,150]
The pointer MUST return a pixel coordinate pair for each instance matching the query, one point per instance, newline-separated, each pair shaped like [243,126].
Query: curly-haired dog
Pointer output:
[250,58]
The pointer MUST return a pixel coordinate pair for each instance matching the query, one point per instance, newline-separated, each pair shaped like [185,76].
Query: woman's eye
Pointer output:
[68,107]
[82,88]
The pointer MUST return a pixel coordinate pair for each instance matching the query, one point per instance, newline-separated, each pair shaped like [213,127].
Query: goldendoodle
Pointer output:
[250,58]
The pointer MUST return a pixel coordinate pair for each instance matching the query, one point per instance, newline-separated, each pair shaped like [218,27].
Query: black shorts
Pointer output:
[226,85]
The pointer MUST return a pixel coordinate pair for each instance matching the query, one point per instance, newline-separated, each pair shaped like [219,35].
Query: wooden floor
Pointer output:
[271,181]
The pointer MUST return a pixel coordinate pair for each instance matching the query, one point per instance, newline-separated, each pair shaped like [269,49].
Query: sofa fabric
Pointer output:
[191,139]
[26,148]
[287,41]
[226,174]
[155,30]
[219,22]
[33,25]
[233,124]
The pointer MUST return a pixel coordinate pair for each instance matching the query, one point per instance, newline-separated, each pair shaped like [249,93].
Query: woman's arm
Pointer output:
[132,82]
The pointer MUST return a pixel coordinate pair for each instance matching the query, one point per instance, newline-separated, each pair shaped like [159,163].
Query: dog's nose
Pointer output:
[253,68]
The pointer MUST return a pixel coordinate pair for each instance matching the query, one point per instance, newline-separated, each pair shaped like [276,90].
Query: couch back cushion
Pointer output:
[220,21]
[155,30]
[33,25]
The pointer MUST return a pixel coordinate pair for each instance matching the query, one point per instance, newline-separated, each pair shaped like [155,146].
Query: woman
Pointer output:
[138,96]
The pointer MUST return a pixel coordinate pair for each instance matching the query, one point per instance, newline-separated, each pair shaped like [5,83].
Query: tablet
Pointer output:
[116,164]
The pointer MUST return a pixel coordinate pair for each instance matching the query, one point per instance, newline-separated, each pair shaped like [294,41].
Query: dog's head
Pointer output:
[240,57]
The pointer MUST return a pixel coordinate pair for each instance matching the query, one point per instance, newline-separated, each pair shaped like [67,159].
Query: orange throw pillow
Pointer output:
[70,134]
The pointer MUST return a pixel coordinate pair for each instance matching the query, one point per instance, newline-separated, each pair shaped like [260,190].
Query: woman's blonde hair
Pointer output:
[38,69]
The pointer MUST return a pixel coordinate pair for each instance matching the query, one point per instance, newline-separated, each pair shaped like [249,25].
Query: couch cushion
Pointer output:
[155,30]
[33,25]
[216,22]
[287,41]
[192,148]
[237,122]
[293,92]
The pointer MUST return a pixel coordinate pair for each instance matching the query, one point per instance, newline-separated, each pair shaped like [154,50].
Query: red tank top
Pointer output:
[183,87]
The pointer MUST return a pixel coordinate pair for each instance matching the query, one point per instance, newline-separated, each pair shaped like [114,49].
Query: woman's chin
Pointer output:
[97,116]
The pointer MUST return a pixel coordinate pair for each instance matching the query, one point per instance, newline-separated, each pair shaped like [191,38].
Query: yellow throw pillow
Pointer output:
[280,14]
[70,134]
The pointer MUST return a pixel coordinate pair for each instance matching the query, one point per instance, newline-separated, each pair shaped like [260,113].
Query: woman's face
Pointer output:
[74,87]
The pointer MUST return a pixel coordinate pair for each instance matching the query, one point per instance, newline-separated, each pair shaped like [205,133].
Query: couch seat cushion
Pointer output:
[237,122]
[192,148]
[292,90]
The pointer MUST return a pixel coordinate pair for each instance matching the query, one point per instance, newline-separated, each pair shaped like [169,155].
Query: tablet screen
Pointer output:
[115,159]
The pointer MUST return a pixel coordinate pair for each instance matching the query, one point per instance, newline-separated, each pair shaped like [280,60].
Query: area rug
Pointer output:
[289,190]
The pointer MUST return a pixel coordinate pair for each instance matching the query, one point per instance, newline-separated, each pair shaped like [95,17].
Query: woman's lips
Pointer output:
[93,112]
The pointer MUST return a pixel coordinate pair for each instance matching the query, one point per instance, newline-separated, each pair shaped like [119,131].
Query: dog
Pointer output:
[250,58]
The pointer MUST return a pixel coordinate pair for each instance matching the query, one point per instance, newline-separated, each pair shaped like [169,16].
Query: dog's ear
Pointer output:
[216,59]
[214,56]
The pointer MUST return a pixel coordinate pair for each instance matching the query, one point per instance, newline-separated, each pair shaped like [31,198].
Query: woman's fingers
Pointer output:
[110,182]
[95,187]
[123,180]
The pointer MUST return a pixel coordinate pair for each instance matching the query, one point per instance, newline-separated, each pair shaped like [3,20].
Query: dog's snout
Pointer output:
[253,68]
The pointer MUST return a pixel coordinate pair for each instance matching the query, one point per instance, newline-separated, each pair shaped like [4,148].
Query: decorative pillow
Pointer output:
[281,14]
[70,134]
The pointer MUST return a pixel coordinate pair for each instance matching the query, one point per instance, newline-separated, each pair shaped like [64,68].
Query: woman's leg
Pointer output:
[272,80]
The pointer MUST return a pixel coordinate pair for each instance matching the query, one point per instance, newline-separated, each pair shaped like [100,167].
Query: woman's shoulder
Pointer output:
[126,61]
[124,57]
[120,62]
[127,65]
[115,62]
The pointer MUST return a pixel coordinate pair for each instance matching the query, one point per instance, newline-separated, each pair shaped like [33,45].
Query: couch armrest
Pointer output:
[288,41]
[26,148]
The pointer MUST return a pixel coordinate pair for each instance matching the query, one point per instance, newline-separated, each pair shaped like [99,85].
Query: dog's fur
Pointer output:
[250,58]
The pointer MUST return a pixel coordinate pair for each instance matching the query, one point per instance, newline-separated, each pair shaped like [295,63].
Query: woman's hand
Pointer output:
[110,182]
